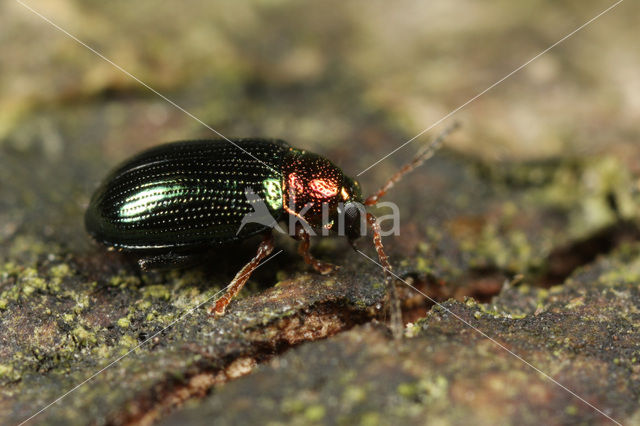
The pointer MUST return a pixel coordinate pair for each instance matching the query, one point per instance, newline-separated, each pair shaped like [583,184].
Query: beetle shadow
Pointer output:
[208,267]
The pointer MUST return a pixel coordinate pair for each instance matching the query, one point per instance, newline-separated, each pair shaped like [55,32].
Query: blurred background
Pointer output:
[315,74]
[538,181]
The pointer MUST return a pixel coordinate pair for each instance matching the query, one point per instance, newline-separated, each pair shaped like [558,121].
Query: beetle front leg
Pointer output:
[264,249]
[323,268]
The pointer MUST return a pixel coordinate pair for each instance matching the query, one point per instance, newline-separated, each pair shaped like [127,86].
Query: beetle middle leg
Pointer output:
[264,249]
[323,268]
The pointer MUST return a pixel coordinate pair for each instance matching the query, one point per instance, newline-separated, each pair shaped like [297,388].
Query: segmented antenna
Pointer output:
[423,155]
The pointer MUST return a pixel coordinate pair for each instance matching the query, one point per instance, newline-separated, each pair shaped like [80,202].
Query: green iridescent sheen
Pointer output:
[273,193]
[147,200]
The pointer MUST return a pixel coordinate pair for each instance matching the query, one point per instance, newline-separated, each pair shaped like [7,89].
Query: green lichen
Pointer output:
[83,336]
[572,410]
[423,266]
[103,351]
[630,273]
[407,390]
[314,413]
[437,388]
[574,303]
[585,190]
[485,309]
[5,370]
[582,189]
[123,280]
[354,394]
[378,285]
[156,292]
[370,419]
[127,342]
[292,405]
[124,322]
[29,248]
[143,305]
[495,248]
[60,271]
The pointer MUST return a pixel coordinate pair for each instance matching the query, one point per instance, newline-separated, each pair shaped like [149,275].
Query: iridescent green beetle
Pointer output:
[171,202]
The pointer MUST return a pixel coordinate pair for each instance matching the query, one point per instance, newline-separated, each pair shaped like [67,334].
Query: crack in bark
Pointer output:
[311,324]
[563,261]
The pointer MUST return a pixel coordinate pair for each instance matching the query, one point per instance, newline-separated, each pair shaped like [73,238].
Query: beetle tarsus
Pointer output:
[264,249]
[321,267]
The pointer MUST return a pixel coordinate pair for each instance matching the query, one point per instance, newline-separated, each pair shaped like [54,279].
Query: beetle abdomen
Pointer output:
[187,194]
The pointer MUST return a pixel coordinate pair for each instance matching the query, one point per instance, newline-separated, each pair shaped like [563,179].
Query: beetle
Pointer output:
[173,201]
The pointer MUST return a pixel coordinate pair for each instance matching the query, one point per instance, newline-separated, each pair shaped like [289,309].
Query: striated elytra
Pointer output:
[184,196]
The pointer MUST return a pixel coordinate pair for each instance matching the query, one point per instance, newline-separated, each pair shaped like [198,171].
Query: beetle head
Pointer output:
[318,191]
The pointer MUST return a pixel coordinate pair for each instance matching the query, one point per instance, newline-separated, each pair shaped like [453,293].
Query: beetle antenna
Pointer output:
[423,155]
[397,325]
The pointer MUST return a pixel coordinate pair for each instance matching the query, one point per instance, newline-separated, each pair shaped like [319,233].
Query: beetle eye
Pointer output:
[353,216]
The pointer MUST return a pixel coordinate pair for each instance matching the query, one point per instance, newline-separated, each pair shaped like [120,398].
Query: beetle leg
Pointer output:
[264,249]
[323,268]
[397,325]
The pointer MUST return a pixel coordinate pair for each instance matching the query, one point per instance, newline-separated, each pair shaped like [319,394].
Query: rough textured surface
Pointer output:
[584,333]
[531,210]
